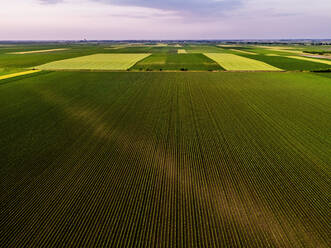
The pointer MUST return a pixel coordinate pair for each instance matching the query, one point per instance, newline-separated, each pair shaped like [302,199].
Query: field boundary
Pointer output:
[17,74]
[172,71]
[40,51]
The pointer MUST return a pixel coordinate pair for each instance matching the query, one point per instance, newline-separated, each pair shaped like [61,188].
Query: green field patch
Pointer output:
[177,62]
[96,62]
[232,62]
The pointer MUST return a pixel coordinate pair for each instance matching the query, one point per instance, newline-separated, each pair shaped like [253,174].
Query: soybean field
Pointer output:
[165,159]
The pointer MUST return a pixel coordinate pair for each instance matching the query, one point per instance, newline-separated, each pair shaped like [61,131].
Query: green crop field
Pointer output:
[164,159]
[232,62]
[195,62]
[96,62]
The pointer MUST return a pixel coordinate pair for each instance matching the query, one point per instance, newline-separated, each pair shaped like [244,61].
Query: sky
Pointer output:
[164,19]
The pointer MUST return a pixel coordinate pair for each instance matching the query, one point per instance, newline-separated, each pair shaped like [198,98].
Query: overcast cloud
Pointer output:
[164,19]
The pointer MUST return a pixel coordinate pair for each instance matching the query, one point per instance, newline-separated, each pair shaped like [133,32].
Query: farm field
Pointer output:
[163,159]
[323,61]
[178,62]
[234,62]
[13,61]
[288,63]
[96,62]
[162,58]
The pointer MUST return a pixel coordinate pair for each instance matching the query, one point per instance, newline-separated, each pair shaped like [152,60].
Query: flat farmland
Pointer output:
[105,159]
[96,62]
[145,49]
[195,62]
[232,62]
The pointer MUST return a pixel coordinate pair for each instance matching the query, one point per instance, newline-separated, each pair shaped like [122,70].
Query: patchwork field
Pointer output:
[90,157]
[96,62]
[165,159]
[232,62]
[14,61]
[167,54]
[180,51]
[179,62]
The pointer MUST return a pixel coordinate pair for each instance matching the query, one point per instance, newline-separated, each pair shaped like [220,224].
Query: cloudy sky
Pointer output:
[164,19]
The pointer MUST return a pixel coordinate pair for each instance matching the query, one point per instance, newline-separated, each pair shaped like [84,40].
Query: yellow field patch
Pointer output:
[234,45]
[232,62]
[18,74]
[41,51]
[241,51]
[271,54]
[109,61]
[311,59]
[181,51]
